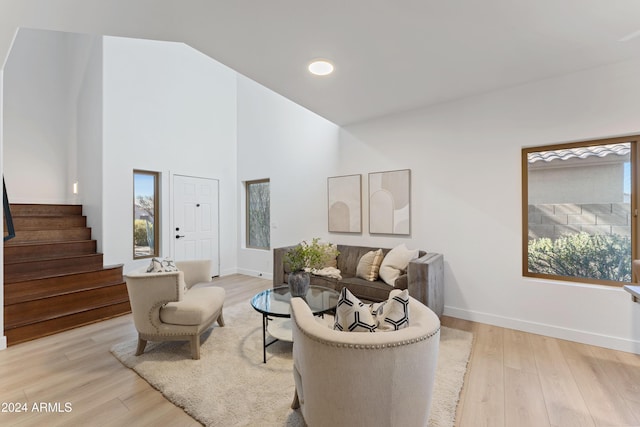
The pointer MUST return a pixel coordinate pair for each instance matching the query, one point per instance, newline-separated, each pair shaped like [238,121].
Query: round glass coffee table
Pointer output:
[276,303]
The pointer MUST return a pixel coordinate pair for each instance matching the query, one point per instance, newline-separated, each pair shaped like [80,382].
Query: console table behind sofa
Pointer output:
[424,276]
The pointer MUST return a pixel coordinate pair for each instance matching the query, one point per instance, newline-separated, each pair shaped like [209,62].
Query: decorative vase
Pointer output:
[299,283]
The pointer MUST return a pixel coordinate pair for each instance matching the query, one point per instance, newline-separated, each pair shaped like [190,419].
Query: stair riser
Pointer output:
[29,270]
[42,288]
[50,327]
[44,210]
[29,312]
[71,234]
[86,279]
[53,240]
[31,252]
[48,223]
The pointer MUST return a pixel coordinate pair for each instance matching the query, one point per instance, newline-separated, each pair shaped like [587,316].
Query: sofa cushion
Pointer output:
[352,315]
[364,289]
[392,314]
[327,282]
[196,307]
[369,265]
[395,262]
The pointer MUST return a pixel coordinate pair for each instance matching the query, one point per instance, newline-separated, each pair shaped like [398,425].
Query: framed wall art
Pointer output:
[390,202]
[345,203]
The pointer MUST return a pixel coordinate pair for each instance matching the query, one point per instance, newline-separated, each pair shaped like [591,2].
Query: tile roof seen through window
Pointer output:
[581,152]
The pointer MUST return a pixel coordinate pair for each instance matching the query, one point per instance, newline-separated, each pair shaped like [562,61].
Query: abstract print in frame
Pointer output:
[345,203]
[390,202]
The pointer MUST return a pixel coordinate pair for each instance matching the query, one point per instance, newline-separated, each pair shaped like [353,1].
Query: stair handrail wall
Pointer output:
[7,213]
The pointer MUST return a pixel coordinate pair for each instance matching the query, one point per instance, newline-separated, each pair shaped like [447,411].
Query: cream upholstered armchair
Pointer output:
[168,306]
[362,378]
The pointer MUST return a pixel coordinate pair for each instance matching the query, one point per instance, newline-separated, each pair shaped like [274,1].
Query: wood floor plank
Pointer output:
[518,352]
[524,400]
[513,378]
[561,393]
[484,400]
[102,414]
[599,393]
[624,371]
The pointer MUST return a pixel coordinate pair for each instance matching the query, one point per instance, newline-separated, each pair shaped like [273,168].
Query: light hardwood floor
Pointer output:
[513,379]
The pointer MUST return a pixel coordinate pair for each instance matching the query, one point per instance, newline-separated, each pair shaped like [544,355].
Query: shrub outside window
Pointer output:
[258,214]
[579,211]
[145,214]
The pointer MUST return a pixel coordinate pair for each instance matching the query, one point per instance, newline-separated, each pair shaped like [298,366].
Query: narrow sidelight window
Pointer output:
[258,214]
[579,211]
[146,229]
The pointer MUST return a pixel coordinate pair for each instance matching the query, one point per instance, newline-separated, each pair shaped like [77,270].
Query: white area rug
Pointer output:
[230,386]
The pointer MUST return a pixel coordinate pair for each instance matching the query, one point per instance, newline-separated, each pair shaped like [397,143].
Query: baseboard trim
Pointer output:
[255,273]
[3,342]
[585,337]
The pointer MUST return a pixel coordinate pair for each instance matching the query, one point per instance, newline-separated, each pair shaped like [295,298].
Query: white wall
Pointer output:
[38,117]
[171,109]
[89,148]
[466,197]
[297,150]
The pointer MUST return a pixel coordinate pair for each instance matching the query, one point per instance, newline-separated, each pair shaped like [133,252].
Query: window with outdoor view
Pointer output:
[258,214]
[145,214]
[579,211]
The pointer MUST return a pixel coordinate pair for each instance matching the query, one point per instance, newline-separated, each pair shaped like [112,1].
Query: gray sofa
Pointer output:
[424,276]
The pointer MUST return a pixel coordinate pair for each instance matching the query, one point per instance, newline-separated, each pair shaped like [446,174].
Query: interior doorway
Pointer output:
[195,229]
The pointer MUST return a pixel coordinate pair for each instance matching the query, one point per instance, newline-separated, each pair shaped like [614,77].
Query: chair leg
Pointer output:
[195,347]
[220,320]
[141,345]
[296,402]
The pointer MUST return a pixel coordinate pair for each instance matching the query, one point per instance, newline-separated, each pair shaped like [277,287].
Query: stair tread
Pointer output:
[65,313]
[11,298]
[49,275]
[30,332]
[62,257]
[54,277]
[70,280]
[19,244]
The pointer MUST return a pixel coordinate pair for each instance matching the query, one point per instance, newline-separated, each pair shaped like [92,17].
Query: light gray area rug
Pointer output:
[230,386]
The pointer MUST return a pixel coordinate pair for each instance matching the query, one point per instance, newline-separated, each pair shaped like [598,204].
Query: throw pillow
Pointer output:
[369,265]
[352,315]
[161,266]
[396,262]
[393,314]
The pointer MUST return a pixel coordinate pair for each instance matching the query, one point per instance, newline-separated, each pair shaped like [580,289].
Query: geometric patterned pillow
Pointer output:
[393,314]
[352,315]
[161,266]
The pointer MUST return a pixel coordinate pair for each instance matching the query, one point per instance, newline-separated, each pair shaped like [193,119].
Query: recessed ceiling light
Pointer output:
[321,67]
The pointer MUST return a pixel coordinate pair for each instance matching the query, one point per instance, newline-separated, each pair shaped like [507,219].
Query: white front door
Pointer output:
[195,224]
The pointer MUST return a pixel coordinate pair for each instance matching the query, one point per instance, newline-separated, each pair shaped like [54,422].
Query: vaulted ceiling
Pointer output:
[389,56]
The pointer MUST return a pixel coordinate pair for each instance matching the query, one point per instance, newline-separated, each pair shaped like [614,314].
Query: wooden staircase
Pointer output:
[54,279]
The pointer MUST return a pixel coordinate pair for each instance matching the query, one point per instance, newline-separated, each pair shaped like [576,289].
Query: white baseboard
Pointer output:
[255,273]
[228,272]
[3,342]
[569,334]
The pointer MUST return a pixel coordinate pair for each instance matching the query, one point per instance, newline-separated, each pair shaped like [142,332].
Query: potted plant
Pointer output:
[304,258]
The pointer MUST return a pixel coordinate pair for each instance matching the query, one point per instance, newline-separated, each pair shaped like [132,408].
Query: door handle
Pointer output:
[178,236]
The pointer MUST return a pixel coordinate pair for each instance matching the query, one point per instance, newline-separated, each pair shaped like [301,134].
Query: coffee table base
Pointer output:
[280,330]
